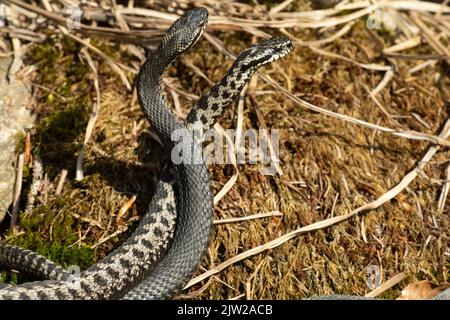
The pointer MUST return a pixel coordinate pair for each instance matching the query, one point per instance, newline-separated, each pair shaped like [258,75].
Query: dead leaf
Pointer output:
[123,210]
[422,290]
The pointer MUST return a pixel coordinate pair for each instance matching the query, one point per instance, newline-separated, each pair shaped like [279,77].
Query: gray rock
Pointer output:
[14,116]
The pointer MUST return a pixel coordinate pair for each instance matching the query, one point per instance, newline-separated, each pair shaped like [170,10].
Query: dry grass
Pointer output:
[331,164]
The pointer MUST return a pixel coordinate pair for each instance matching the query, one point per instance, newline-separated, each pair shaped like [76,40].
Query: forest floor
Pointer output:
[387,108]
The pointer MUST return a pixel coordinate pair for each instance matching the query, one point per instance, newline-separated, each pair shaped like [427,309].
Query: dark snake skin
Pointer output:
[142,268]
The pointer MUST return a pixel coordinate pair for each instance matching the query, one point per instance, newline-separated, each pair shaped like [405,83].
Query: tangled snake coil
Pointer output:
[164,251]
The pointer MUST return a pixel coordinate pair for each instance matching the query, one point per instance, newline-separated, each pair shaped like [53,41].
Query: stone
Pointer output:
[14,116]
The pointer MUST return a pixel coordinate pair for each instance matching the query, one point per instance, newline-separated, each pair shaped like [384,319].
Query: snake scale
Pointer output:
[164,251]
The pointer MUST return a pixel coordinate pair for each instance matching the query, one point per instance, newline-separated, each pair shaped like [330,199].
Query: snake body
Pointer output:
[164,251]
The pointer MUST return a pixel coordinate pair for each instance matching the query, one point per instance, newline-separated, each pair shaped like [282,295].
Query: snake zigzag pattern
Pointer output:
[165,249]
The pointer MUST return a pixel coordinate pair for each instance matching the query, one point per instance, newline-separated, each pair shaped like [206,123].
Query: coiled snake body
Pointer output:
[164,251]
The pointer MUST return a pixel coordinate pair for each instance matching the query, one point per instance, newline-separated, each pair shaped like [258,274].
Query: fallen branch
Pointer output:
[250,217]
[386,285]
[17,191]
[92,119]
[62,179]
[36,184]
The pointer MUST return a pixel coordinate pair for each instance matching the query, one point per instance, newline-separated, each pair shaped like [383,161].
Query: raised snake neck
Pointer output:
[138,268]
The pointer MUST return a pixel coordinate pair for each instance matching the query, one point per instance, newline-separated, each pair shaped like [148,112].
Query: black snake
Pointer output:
[164,251]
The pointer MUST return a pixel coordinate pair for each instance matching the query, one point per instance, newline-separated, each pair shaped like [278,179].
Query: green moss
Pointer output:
[390,294]
[112,50]
[63,101]
[60,69]
[63,109]
[58,136]
[3,277]
[64,105]
[61,248]
[8,277]
[60,252]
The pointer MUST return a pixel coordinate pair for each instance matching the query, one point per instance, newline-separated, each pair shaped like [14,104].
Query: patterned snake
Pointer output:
[164,251]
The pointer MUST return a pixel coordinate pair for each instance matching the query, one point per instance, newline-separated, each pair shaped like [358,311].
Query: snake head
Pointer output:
[185,31]
[263,52]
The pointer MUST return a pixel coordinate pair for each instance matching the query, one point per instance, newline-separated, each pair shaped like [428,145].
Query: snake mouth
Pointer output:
[279,46]
[275,48]
[196,21]
[185,31]
[264,52]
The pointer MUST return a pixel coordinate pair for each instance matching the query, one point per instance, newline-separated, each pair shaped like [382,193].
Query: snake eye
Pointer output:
[264,52]
[196,17]
[277,47]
